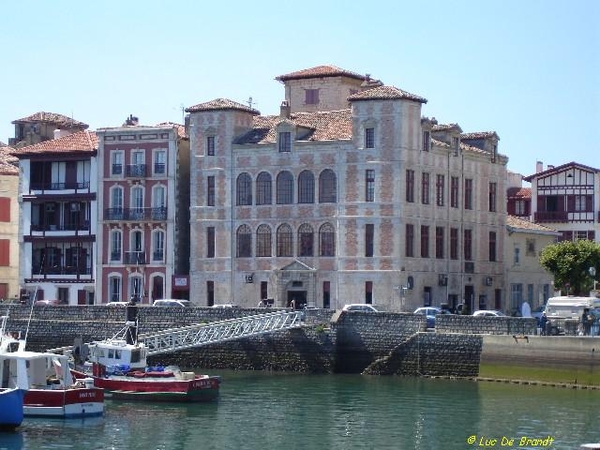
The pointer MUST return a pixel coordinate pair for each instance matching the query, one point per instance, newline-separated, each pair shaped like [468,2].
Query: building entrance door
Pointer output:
[299,297]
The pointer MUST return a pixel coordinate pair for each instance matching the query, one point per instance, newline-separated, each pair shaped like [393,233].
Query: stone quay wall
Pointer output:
[331,342]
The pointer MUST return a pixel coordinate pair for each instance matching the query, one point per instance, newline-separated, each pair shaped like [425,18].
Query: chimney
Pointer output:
[539,167]
[284,110]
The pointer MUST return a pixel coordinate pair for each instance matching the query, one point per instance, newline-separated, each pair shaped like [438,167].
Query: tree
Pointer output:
[574,264]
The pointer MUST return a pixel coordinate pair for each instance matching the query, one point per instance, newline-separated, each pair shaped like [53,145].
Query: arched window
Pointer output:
[285,240]
[263,189]
[244,189]
[116,246]
[326,240]
[285,188]
[116,204]
[114,288]
[244,241]
[158,245]
[327,187]
[263,240]
[305,240]
[159,210]
[306,187]
[136,288]
[136,210]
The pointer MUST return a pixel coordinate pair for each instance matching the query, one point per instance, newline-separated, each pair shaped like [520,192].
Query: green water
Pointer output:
[260,410]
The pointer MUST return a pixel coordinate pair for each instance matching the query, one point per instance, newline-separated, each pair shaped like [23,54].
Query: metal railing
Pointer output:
[226,330]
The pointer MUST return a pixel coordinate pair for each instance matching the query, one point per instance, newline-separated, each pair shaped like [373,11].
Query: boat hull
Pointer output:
[73,402]
[11,408]
[199,389]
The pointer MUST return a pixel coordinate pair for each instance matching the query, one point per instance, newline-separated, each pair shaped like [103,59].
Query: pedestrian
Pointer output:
[586,321]
[543,322]
[293,304]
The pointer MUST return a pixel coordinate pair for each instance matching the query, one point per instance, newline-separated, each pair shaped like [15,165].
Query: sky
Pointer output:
[526,69]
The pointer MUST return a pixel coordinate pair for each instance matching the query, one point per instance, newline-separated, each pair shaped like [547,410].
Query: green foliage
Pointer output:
[570,262]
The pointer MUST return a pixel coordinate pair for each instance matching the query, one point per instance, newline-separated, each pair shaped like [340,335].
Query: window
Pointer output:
[410,186]
[312,96]
[410,238]
[285,238]
[244,190]
[425,188]
[285,142]
[4,209]
[369,238]
[516,296]
[424,241]
[492,246]
[160,162]
[453,243]
[581,203]
[326,240]
[210,190]
[306,187]
[210,293]
[454,192]
[263,189]
[137,203]
[114,288]
[492,197]
[116,198]
[368,292]
[426,141]
[516,256]
[327,186]
[115,245]
[530,247]
[210,146]
[439,190]
[210,242]
[520,208]
[456,145]
[370,137]
[305,240]
[263,241]
[468,193]
[439,242]
[158,242]
[285,188]
[116,162]
[244,242]
[530,293]
[468,245]
[4,252]
[370,185]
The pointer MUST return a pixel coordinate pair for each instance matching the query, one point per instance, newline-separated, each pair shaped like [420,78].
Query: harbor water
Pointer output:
[260,410]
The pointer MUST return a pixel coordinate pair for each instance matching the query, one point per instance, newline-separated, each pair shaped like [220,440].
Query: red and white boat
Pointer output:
[53,391]
[118,365]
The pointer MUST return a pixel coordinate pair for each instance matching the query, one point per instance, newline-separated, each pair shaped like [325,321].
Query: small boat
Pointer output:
[52,391]
[12,392]
[119,366]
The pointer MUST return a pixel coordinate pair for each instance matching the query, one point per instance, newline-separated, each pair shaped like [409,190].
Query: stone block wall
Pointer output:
[449,323]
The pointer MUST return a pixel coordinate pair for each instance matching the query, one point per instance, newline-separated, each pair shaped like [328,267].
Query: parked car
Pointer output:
[489,313]
[430,312]
[169,302]
[117,303]
[47,303]
[365,307]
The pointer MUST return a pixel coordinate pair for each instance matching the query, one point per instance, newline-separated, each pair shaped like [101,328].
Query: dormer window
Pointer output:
[370,137]
[312,96]
[285,142]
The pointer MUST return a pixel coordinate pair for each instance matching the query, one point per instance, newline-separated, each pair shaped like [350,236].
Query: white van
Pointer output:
[569,307]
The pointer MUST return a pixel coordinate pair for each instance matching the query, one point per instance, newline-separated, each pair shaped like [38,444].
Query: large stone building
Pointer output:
[348,195]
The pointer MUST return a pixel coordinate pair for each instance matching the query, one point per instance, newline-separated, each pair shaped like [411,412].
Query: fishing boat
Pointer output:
[119,366]
[51,389]
[13,386]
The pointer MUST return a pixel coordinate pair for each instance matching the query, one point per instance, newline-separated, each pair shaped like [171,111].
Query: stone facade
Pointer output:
[347,196]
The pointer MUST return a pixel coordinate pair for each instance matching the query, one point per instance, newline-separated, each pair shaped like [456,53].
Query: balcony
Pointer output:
[43,272]
[158,256]
[59,186]
[551,216]
[136,214]
[159,168]
[84,226]
[135,258]
[135,170]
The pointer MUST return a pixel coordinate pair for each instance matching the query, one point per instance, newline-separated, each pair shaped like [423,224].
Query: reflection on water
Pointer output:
[261,410]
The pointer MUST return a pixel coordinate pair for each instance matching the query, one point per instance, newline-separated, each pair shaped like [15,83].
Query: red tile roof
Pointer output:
[221,104]
[516,223]
[559,169]
[518,193]
[321,72]
[180,128]
[8,163]
[52,118]
[319,126]
[385,93]
[480,135]
[82,141]
[448,126]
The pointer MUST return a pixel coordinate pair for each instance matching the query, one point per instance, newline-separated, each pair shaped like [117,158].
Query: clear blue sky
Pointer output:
[527,69]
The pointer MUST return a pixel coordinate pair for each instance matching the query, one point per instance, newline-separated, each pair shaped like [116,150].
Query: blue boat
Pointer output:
[14,383]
